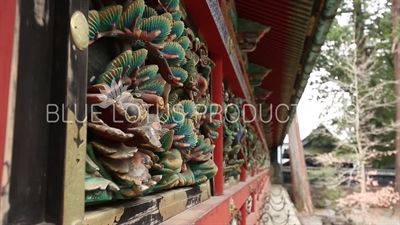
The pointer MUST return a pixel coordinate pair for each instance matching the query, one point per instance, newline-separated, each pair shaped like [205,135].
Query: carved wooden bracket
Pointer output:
[256,74]
[249,34]
[261,94]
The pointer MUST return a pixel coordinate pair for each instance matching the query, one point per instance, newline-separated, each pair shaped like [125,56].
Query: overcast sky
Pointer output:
[309,109]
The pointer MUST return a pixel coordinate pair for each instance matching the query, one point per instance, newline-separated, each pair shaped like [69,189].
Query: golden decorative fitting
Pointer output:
[251,188]
[79,30]
[232,208]
[231,45]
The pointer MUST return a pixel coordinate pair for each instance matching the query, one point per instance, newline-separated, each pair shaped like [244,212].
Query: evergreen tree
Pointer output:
[362,27]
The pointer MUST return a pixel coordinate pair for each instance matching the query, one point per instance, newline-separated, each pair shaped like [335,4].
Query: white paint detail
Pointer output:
[40,13]
[70,75]
[153,209]
[92,78]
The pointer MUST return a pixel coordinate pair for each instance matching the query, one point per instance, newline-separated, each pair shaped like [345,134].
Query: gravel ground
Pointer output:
[281,211]
[376,217]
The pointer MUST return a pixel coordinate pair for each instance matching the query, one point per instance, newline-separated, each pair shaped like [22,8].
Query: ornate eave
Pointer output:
[249,34]
[256,74]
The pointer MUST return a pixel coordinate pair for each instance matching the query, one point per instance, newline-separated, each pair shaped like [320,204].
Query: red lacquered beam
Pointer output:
[216,210]
[200,12]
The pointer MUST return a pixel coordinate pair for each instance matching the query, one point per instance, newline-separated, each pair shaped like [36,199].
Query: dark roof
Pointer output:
[320,131]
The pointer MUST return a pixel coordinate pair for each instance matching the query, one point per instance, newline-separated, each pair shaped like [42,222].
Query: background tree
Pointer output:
[362,31]
[396,48]
[359,78]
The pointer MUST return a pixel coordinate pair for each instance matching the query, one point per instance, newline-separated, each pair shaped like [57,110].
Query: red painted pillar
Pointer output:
[243,212]
[216,97]
[243,173]
[253,202]
[7,20]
